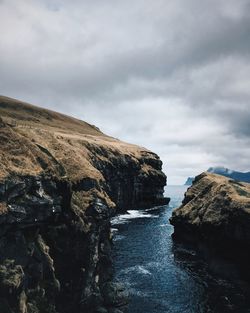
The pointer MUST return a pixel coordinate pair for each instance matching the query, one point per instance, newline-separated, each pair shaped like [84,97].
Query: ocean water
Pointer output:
[162,277]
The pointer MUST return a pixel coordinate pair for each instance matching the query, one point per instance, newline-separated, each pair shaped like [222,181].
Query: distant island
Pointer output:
[220,170]
[189,181]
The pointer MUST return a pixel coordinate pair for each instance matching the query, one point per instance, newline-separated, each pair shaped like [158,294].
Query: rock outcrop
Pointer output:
[61,180]
[215,218]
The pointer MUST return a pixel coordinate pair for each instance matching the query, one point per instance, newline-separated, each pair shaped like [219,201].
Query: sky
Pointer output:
[170,75]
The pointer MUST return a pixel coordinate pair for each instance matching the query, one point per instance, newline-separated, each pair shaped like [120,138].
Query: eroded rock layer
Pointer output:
[61,180]
[215,218]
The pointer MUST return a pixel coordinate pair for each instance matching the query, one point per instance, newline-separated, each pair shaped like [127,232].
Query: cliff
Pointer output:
[215,218]
[61,180]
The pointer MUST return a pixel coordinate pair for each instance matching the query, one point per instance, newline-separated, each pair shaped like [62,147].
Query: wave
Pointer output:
[132,289]
[137,269]
[156,208]
[131,214]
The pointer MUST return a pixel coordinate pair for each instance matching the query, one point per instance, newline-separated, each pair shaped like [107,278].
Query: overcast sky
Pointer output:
[170,75]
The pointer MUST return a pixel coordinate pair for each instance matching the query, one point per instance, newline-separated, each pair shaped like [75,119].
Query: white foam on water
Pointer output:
[118,237]
[133,290]
[152,209]
[139,214]
[131,214]
[138,269]
[143,270]
[138,293]
[153,265]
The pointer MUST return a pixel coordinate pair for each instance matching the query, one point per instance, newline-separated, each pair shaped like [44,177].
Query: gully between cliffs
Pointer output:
[55,252]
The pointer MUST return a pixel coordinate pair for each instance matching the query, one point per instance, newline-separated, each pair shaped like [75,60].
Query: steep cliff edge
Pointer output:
[215,218]
[61,180]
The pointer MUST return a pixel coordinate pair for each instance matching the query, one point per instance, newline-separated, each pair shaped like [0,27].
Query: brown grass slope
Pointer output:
[34,140]
[212,199]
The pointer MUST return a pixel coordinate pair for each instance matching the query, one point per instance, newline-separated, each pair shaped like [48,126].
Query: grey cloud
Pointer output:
[170,75]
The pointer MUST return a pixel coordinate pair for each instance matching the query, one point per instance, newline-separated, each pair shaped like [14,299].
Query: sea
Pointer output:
[162,277]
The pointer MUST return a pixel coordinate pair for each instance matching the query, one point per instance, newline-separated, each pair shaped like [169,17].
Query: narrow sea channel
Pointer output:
[161,277]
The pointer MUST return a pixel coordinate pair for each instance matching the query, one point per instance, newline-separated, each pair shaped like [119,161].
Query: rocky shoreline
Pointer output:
[214,219]
[61,180]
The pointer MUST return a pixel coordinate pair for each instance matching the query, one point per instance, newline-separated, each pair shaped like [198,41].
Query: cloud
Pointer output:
[170,75]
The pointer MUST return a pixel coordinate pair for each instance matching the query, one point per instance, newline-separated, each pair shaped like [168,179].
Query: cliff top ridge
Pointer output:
[34,140]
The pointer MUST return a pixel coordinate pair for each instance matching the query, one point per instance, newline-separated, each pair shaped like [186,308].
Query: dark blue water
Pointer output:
[162,277]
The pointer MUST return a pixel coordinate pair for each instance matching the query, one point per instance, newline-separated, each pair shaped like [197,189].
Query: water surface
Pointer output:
[161,277]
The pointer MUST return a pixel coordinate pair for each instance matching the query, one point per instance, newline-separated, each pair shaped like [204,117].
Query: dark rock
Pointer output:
[14,189]
[60,182]
[85,184]
[2,191]
[215,218]
[130,186]
[99,210]
[60,260]
[114,310]
[5,308]
[115,294]
[101,310]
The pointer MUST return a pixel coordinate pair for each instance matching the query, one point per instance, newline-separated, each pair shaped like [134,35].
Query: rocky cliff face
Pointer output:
[215,218]
[61,180]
